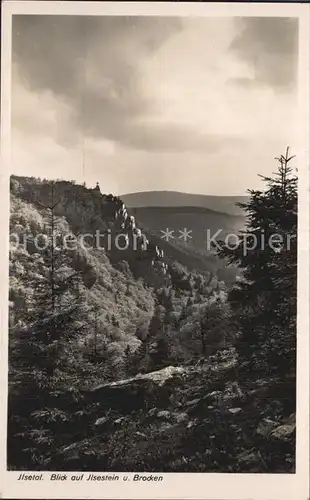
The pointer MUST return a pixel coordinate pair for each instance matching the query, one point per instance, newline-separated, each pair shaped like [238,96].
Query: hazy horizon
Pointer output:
[191,105]
[179,192]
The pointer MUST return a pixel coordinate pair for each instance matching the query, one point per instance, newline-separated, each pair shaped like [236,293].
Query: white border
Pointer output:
[175,486]
[225,9]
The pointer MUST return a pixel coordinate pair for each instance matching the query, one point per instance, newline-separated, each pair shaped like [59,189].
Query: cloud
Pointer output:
[92,65]
[144,103]
[97,69]
[270,47]
[244,82]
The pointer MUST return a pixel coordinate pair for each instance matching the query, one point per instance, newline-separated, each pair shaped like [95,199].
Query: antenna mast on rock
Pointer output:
[83,158]
[83,114]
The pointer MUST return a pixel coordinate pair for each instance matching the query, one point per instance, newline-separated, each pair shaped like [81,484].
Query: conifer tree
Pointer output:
[55,314]
[264,301]
[44,350]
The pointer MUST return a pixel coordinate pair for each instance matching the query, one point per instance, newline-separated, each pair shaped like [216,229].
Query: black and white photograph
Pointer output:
[156,223]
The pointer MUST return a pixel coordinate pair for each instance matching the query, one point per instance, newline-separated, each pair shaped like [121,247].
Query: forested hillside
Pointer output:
[201,221]
[124,358]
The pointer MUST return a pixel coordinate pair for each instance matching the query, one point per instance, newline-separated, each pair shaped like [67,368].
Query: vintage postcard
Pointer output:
[155,250]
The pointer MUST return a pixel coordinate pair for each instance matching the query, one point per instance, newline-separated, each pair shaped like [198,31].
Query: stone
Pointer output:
[191,424]
[265,427]
[248,457]
[165,414]
[192,402]
[140,434]
[101,421]
[291,419]
[119,420]
[137,392]
[234,410]
[214,395]
[283,432]
[153,412]
[181,417]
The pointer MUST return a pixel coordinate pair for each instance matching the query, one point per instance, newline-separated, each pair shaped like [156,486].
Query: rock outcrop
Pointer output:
[175,420]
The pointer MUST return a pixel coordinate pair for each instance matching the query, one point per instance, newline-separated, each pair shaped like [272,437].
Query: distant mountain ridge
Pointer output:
[176,209]
[225,204]
[201,223]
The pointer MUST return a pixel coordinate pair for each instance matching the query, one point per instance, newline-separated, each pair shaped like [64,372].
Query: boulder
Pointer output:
[265,427]
[234,410]
[180,417]
[138,392]
[214,394]
[140,434]
[192,402]
[125,396]
[285,431]
[101,421]
[192,423]
[168,416]
[248,458]
[72,457]
[164,414]
[119,420]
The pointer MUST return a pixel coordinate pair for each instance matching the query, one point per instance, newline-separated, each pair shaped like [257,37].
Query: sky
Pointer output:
[199,105]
